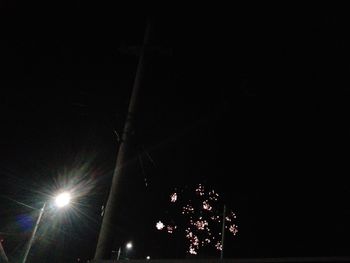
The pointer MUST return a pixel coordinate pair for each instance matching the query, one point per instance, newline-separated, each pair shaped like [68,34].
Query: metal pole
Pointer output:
[119,250]
[32,238]
[223,233]
[106,235]
[3,257]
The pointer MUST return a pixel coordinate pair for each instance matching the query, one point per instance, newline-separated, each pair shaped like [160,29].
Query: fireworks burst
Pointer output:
[203,219]
[170,229]
[160,225]
[233,229]
[173,197]
[207,206]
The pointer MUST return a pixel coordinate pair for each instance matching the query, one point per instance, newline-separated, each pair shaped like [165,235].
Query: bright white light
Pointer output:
[129,245]
[160,225]
[63,199]
[148,257]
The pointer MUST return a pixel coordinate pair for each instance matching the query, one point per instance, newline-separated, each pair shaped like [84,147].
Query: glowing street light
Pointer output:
[129,245]
[61,200]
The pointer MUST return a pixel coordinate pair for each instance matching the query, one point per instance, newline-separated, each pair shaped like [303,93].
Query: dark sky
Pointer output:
[253,103]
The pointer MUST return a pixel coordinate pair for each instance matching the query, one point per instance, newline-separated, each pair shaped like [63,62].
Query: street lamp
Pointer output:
[129,245]
[61,200]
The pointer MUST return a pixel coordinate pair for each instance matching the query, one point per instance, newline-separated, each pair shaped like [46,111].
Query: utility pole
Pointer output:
[106,235]
[223,233]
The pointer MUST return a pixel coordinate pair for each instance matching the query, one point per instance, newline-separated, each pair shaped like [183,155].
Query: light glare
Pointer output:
[62,199]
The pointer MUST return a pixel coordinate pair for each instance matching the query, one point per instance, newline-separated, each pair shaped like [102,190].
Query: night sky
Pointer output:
[252,103]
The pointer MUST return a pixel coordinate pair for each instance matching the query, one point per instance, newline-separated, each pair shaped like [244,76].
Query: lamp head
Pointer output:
[62,199]
[129,245]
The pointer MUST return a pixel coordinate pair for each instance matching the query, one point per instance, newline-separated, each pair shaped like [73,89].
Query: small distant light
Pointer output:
[129,245]
[148,257]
